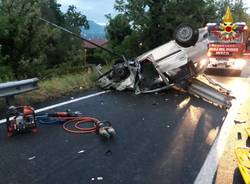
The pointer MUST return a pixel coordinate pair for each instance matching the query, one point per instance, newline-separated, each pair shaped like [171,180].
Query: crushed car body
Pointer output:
[178,64]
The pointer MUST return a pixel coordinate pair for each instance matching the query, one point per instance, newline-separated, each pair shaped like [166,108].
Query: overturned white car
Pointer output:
[178,64]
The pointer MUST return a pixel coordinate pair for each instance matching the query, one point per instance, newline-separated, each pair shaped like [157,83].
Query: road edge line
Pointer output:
[209,167]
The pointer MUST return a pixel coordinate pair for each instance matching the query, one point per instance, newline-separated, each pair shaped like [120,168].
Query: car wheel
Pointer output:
[185,35]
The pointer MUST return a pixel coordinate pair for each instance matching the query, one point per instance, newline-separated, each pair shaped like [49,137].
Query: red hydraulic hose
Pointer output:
[76,123]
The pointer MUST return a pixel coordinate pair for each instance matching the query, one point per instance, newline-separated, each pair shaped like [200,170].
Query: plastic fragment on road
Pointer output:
[239,136]
[242,155]
[99,178]
[238,121]
[32,158]
[108,153]
[81,151]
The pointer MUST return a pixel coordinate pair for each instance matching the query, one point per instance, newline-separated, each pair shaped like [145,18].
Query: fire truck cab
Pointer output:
[228,42]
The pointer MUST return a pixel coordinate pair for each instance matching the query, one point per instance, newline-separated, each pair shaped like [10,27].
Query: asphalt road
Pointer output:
[161,138]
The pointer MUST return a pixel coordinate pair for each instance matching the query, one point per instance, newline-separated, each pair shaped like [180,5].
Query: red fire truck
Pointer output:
[229,43]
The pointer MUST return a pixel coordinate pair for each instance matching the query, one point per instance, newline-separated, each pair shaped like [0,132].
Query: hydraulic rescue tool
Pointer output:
[21,119]
[74,122]
[24,119]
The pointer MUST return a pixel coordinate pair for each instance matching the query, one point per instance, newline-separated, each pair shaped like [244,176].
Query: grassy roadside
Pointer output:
[58,86]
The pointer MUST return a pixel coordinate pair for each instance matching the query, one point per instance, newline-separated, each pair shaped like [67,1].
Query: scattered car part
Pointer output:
[239,121]
[210,93]
[23,120]
[239,136]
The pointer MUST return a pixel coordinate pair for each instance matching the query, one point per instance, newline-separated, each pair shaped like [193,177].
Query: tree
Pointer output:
[238,8]
[145,24]
[75,20]
[29,47]
[152,22]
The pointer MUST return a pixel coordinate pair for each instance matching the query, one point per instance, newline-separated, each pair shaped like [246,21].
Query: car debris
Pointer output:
[99,178]
[239,136]
[178,64]
[108,153]
[81,151]
[32,158]
[239,121]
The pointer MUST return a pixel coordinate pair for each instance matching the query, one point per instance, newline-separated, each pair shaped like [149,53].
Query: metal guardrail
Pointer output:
[10,89]
[18,87]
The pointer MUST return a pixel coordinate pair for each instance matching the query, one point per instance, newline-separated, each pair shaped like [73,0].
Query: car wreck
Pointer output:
[178,64]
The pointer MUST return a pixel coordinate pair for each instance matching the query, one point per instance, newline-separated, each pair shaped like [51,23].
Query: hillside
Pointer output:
[95,31]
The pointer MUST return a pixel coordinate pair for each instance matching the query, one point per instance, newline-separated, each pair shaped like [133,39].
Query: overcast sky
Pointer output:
[93,9]
[96,9]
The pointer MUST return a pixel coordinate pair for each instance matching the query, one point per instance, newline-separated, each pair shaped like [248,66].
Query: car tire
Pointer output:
[186,35]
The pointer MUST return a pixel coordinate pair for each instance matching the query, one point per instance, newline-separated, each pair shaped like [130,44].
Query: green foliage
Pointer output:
[74,19]
[237,7]
[144,24]
[29,47]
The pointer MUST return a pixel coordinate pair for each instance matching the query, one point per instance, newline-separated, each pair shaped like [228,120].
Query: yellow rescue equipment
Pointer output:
[243,158]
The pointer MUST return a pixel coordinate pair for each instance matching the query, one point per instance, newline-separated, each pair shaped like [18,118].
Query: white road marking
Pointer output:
[208,170]
[65,103]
